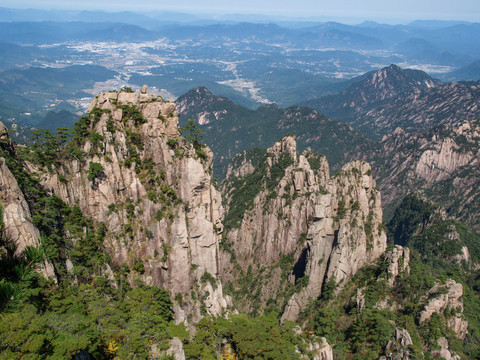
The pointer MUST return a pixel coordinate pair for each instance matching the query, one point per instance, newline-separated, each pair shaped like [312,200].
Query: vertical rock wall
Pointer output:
[154,193]
[16,212]
[340,218]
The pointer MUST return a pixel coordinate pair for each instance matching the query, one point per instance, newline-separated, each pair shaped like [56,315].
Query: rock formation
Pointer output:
[441,163]
[341,240]
[15,210]
[441,298]
[4,137]
[444,352]
[153,190]
[398,260]
[398,349]
[320,351]
[17,217]
[331,226]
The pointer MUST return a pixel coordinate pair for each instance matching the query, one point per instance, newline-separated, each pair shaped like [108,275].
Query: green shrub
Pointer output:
[94,170]
[172,143]
[138,266]
[207,277]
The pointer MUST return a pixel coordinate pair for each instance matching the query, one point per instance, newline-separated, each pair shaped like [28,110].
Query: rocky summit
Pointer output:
[154,192]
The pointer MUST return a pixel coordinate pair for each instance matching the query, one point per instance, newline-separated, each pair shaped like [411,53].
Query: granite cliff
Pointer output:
[136,173]
[327,227]
[441,163]
[15,211]
[131,197]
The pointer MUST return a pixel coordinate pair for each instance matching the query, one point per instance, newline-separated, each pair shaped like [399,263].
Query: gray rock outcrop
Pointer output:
[332,225]
[398,260]
[398,349]
[341,241]
[4,136]
[320,350]
[444,352]
[443,297]
[154,193]
[17,217]
[176,349]
[442,162]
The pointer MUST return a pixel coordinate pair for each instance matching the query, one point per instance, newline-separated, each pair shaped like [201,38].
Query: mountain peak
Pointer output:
[286,145]
[201,90]
[396,80]
[393,67]
[202,106]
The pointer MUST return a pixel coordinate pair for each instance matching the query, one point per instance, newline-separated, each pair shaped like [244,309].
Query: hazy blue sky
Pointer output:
[372,9]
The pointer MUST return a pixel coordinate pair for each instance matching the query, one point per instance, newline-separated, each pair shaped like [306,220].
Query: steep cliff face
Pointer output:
[16,214]
[328,227]
[441,163]
[153,191]
[447,297]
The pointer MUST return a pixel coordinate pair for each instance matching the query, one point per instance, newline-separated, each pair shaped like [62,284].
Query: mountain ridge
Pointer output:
[414,102]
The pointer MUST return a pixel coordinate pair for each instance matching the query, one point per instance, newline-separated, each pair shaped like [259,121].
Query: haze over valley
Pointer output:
[251,63]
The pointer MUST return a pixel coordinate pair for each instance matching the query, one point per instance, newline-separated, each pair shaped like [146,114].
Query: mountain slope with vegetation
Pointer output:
[393,97]
[441,163]
[229,128]
[120,213]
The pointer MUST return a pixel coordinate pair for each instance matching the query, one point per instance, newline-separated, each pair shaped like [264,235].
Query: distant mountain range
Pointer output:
[453,44]
[468,73]
[252,63]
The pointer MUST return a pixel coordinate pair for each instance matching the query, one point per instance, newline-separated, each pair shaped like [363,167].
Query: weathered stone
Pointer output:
[171,226]
[451,300]
[320,351]
[176,349]
[311,203]
[17,217]
[398,260]
[444,352]
[403,337]
[427,161]
[398,349]
[4,136]
[360,299]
